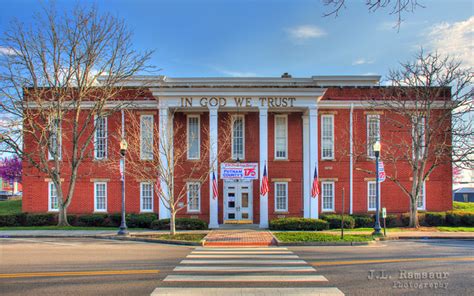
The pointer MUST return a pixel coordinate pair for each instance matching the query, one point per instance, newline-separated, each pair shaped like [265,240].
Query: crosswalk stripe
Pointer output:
[241,249]
[240,261]
[192,291]
[243,256]
[245,268]
[245,278]
[242,252]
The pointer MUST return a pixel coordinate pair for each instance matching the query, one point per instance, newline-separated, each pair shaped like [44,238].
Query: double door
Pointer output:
[238,201]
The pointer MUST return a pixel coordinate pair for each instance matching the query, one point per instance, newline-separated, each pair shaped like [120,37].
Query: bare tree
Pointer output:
[397,7]
[427,108]
[165,161]
[60,74]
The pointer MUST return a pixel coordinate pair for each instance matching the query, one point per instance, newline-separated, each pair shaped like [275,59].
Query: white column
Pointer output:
[213,163]
[263,142]
[351,160]
[166,150]
[306,169]
[313,157]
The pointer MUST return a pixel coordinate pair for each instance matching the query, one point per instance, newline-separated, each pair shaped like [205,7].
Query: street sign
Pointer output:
[381,172]
[384,213]
[239,171]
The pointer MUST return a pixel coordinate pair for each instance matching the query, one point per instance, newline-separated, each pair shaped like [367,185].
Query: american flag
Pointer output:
[215,189]
[264,187]
[315,188]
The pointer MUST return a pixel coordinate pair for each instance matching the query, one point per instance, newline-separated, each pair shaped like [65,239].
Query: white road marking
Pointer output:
[239,261]
[245,278]
[242,252]
[244,256]
[245,268]
[172,291]
[241,249]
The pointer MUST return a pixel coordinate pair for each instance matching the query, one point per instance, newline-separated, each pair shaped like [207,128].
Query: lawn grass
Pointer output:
[54,227]
[463,206]
[455,229]
[319,237]
[189,237]
[394,229]
[10,207]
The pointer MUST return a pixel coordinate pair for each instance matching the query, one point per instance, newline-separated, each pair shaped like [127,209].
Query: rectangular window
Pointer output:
[194,137]
[194,196]
[281,196]
[371,196]
[100,137]
[55,138]
[327,191]
[100,197]
[418,137]
[146,197]
[281,136]
[53,197]
[327,136]
[238,137]
[146,137]
[373,133]
[420,202]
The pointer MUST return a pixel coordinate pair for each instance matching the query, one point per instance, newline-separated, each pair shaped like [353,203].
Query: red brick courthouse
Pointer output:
[293,125]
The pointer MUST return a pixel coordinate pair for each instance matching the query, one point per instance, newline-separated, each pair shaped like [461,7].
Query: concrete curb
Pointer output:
[427,237]
[294,244]
[151,240]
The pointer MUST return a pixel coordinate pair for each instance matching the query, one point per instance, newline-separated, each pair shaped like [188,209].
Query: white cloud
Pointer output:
[306,32]
[362,61]
[237,73]
[7,51]
[454,39]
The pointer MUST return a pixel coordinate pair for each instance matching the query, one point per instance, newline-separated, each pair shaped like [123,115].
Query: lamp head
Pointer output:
[377,146]
[123,146]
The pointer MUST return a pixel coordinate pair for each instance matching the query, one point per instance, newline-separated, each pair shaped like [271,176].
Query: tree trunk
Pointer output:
[62,217]
[173,223]
[413,214]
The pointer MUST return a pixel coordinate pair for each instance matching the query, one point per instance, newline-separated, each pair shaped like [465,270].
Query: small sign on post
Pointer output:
[384,215]
[382,174]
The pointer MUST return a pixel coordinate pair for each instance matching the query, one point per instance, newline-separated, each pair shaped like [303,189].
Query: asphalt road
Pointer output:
[60,266]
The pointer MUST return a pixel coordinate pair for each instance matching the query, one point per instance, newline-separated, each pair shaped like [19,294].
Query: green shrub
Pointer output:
[364,221]
[72,220]
[435,218]
[91,220]
[140,220]
[298,224]
[406,219]
[335,221]
[454,218]
[468,219]
[8,220]
[114,220]
[40,219]
[392,221]
[181,224]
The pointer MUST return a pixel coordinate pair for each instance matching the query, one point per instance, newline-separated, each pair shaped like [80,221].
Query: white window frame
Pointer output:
[146,155]
[285,117]
[333,185]
[285,209]
[368,196]
[423,139]
[142,185]
[106,137]
[241,157]
[423,198]
[370,145]
[198,210]
[95,197]
[198,136]
[331,117]
[59,138]
[51,188]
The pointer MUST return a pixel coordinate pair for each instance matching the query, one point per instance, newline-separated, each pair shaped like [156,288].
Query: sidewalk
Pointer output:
[69,233]
[416,234]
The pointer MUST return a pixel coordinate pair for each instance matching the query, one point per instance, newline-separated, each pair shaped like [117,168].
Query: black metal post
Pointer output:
[377,227]
[123,225]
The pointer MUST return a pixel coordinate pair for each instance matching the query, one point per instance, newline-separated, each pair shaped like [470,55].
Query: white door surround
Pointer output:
[238,201]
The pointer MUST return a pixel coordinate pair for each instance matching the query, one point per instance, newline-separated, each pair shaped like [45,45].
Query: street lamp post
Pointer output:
[377,201]
[123,149]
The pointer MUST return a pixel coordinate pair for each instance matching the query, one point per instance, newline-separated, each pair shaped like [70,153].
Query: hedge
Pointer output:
[459,218]
[335,221]
[435,218]
[364,221]
[40,219]
[92,220]
[140,220]
[298,224]
[181,224]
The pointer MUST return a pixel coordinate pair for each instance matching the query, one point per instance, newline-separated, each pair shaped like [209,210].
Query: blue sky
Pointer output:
[267,38]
